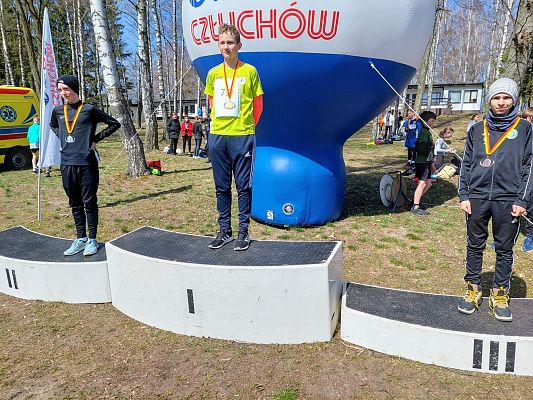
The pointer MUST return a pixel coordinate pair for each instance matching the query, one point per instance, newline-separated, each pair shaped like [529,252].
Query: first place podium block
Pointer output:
[275,292]
[33,267]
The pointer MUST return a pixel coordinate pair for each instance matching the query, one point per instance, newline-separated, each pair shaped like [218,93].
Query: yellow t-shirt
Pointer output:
[235,114]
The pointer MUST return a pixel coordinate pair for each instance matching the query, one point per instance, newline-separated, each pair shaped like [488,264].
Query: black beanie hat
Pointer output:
[71,81]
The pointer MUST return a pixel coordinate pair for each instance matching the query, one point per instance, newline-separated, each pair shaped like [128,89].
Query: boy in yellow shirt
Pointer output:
[236,99]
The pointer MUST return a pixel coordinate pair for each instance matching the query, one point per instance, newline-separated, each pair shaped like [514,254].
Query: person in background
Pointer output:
[198,133]
[207,129]
[389,124]
[442,148]
[173,129]
[399,120]
[423,161]
[495,184]
[474,119]
[186,134]
[412,126]
[527,246]
[33,139]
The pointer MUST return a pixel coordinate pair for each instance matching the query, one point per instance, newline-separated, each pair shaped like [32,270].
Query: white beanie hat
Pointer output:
[504,85]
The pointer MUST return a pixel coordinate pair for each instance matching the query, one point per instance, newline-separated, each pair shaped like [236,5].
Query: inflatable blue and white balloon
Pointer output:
[313,59]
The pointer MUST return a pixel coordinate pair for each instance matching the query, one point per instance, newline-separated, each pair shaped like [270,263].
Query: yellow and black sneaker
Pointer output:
[472,299]
[499,304]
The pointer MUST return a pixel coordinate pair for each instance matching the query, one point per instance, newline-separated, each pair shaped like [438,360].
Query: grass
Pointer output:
[55,350]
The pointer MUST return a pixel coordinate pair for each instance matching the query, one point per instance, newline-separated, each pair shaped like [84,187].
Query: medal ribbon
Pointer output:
[489,150]
[229,91]
[70,127]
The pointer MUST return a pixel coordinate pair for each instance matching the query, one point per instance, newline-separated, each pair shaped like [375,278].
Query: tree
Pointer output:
[7,57]
[520,58]
[160,71]
[130,139]
[146,76]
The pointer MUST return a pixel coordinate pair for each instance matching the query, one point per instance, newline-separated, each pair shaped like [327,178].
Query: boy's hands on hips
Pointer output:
[517,210]
[466,207]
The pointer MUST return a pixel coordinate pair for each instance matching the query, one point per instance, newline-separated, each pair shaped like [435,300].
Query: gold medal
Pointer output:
[70,127]
[487,162]
[230,105]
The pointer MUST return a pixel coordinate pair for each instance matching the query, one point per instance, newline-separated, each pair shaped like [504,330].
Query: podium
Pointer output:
[33,267]
[428,328]
[275,292]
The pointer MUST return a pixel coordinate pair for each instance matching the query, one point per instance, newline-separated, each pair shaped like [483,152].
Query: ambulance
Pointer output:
[18,106]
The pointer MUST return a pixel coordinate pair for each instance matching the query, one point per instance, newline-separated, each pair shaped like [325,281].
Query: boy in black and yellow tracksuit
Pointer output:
[495,183]
[75,123]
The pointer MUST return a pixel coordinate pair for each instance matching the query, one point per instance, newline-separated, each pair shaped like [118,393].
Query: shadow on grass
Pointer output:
[179,171]
[362,190]
[518,285]
[147,196]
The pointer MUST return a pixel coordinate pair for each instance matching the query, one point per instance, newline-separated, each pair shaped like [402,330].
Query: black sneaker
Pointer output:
[243,241]
[223,237]
[419,211]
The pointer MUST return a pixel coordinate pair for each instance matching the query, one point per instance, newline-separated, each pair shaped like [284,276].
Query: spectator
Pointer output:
[33,139]
[423,161]
[412,126]
[173,129]
[474,119]
[495,183]
[186,134]
[389,124]
[198,133]
[442,148]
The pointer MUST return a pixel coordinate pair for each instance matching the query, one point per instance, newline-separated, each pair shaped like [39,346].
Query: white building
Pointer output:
[450,97]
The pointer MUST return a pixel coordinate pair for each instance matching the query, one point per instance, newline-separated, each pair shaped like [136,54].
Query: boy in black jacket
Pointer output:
[75,126]
[494,183]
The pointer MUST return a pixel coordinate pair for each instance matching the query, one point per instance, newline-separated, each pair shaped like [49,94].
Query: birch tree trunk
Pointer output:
[23,81]
[466,55]
[441,9]
[160,72]
[421,77]
[504,42]
[146,76]
[81,49]
[130,139]
[7,59]
[521,52]
[175,46]
[28,41]
[180,77]
[72,40]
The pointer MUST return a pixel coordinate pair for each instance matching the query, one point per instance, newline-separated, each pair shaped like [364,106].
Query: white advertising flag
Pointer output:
[49,143]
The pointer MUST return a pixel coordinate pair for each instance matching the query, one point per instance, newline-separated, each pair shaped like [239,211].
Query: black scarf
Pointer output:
[501,123]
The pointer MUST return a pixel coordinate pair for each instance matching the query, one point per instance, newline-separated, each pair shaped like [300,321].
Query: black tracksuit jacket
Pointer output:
[510,178]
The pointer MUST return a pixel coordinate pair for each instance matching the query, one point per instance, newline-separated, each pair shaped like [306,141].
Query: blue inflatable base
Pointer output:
[312,104]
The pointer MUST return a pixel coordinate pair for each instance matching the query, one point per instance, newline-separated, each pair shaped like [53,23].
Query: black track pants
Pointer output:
[81,184]
[505,231]
[186,140]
